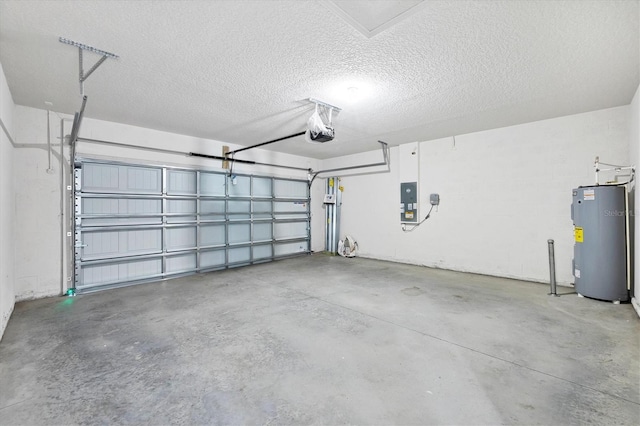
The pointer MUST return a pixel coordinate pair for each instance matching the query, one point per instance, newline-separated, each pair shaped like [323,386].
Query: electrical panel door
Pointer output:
[409,202]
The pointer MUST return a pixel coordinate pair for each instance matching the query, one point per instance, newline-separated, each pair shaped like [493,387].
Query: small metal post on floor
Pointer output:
[552,269]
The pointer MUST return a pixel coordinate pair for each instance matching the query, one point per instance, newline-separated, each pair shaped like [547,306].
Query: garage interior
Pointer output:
[327,212]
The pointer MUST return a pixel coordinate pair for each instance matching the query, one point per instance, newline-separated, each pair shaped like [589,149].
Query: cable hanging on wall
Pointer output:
[413,227]
[434,199]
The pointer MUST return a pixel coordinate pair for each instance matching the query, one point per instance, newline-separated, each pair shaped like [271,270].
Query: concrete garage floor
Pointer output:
[322,340]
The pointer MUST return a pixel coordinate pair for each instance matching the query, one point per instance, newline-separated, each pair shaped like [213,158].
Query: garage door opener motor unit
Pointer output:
[319,126]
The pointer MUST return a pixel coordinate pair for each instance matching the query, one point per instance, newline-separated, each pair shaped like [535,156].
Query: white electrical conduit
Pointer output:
[63,196]
[49,169]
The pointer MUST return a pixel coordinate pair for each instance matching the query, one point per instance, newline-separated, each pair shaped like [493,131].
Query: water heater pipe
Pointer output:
[615,168]
[552,269]
[627,231]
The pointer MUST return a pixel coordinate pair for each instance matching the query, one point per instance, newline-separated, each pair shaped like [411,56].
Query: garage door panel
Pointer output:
[262,187]
[148,210]
[240,233]
[109,206]
[290,207]
[289,230]
[181,263]
[290,210]
[141,180]
[95,275]
[181,182]
[101,178]
[128,230]
[213,184]
[109,244]
[262,252]
[239,206]
[212,206]
[241,187]
[181,238]
[287,249]
[212,235]
[212,259]
[262,232]
[239,210]
[290,188]
[240,255]
[185,208]
[97,177]
[262,210]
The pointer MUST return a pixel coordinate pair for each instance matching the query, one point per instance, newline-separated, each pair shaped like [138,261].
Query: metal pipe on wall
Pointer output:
[63,233]
[627,225]
[332,215]
[337,209]
[328,220]
[65,200]
[77,120]
[73,139]
[49,168]
[552,268]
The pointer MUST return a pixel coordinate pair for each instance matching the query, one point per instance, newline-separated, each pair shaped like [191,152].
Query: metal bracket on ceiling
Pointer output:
[82,75]
[326,105]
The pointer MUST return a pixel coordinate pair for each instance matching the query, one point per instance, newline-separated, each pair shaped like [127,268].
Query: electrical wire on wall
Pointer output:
[404,225]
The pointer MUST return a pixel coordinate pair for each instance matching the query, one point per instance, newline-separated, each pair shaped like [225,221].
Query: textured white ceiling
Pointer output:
[241,71]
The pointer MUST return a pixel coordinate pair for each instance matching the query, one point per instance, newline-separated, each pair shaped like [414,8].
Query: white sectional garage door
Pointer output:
[137,223]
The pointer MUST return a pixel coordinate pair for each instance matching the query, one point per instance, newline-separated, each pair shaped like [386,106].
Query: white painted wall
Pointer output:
[504,192]
[6,206]
[634,153]
[37,220]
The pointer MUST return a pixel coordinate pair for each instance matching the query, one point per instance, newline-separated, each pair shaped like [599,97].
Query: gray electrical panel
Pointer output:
[600,248]
[409,202]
